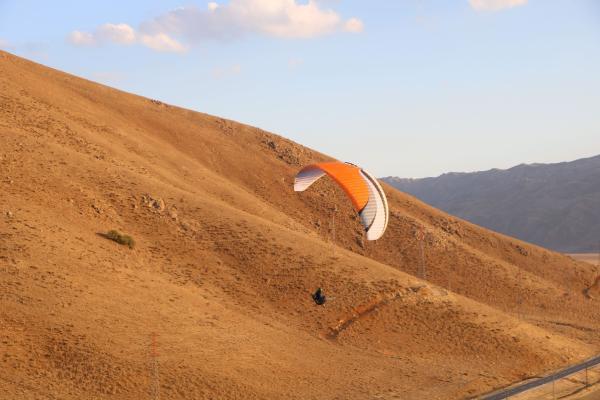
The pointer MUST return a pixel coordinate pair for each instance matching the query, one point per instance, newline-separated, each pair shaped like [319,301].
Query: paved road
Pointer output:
[506,393]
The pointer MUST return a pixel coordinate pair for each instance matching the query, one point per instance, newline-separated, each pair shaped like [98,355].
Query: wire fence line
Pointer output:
[563,383]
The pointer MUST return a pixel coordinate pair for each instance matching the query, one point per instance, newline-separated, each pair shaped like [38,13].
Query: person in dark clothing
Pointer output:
[319,297]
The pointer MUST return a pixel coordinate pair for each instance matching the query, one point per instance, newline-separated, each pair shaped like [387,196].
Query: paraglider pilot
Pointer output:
[319,297]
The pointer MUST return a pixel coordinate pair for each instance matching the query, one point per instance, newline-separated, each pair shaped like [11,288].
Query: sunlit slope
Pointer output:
[226,255]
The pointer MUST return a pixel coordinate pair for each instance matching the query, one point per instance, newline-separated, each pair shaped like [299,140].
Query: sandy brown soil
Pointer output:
[226,255]
[593,258]
[591,395]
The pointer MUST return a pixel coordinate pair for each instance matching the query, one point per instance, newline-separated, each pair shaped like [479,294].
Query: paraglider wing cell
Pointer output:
[375,215]
[307,177]
[346,175]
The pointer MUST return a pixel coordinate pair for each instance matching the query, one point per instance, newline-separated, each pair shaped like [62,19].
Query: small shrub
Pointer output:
[120,238]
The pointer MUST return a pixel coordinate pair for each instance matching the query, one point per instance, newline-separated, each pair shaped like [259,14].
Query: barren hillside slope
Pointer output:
[213,301]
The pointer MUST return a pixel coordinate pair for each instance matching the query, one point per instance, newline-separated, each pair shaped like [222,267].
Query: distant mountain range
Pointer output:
[553,205]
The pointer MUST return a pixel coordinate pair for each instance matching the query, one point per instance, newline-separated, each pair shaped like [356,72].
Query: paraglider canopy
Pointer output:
[364,191]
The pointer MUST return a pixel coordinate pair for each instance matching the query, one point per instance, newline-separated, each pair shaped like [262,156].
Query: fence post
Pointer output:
[586,377]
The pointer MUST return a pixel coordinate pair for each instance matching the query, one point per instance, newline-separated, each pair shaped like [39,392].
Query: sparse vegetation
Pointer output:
[120,238]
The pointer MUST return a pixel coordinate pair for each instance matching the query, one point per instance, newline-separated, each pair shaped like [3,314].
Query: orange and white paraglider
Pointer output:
[364,191]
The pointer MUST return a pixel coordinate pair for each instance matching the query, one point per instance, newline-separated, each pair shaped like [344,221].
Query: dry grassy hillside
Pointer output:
[226,255]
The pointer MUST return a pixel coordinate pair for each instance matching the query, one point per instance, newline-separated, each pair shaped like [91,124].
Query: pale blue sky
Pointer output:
[410,88]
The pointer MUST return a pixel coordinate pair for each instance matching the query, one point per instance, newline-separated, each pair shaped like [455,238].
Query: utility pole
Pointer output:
[333,229]
[421,238]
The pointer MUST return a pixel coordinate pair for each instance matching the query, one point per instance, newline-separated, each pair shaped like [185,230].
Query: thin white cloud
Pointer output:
[220,73]
[124,34]
[236,18]
[79,38]
[116,33]
[354,25]
[107,33]
[32,50]
[162,42]
[294,63]
[495,5]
